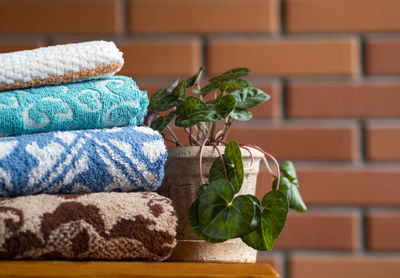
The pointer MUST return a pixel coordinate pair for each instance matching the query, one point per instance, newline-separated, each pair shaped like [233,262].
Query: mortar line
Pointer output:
[361,55]
[285,264]
[281,19]
[360,159]
[284,99]
[363,212]
[125,18]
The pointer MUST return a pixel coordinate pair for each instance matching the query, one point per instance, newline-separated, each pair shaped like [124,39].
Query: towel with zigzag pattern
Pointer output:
[100,160]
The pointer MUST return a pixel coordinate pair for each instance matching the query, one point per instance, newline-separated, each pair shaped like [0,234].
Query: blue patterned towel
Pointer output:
[117,159]
[114,101]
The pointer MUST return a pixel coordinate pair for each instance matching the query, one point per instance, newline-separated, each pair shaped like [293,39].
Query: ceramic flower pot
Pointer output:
[182,179]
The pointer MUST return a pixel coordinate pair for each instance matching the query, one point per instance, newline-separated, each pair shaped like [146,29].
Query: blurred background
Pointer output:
[332,68]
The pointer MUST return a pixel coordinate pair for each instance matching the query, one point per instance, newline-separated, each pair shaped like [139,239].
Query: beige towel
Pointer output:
[109,226]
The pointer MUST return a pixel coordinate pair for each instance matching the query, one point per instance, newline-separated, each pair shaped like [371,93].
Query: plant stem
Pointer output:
[203,129]
[172,134]
[228,125]
[213,130]
[201,160]
[192,138]
[190,135]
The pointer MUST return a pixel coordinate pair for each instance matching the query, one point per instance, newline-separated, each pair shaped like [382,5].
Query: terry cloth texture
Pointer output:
[100,103]
[109,226]
[59,64]
[103,160]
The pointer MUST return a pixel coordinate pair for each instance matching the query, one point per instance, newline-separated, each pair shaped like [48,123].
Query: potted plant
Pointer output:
[220,218]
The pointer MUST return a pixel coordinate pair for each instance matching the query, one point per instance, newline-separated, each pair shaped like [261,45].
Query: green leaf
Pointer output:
[233,164]
[222,106]
[208,88]
[193,219]
[180,91]
[156,125]
[257,215]
[219,216]
[241,115]
[225,105]
[233,85]
[156,97]
[247,98]
[191,112]
[288,169]
[292,193]
[201,189]
[160,123]
[273,218]
[167,103]
[216,170]
[233,73]
[194,79]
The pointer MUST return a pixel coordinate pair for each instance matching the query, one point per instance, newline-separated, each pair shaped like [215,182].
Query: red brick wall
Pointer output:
[332,68]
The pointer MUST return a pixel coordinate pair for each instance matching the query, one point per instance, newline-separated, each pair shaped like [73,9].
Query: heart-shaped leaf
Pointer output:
[160,123]
[221,107]
[193,219]
[191,112]
[287,168]
[180,91]
[208,88]
[233,85]
[273,218]
[195,79]
[257,215]
[219,216]
[247,98]
[233,165]
[293,194]
[241,115]
[233,73]
[167,103]
[156,97]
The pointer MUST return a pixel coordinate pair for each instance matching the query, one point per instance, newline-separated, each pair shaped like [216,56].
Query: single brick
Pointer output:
[199,16]
[349,186]
[11,46]
[323,230]
[382,141]
[344,266]
[298,141]
[342,15]
[383,56]
[383,230]
[284,56]
[161,57]
[61,17]
[330,100]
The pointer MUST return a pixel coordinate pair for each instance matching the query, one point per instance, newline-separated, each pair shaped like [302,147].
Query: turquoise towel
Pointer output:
[101,103]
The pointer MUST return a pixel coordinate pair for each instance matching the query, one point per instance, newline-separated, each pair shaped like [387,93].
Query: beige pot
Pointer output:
[182,179]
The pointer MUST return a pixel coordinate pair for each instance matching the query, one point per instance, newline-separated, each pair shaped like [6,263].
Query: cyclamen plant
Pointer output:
[218,214]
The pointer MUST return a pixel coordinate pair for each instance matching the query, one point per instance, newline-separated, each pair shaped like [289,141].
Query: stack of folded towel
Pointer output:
[75,167]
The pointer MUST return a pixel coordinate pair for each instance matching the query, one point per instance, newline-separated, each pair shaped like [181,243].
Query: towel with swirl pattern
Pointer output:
[100,103]
[110,226]
[120,159]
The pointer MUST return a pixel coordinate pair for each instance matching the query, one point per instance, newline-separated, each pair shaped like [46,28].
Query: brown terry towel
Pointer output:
[111,226]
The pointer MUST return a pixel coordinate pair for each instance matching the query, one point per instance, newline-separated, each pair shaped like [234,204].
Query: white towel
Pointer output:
[59,64]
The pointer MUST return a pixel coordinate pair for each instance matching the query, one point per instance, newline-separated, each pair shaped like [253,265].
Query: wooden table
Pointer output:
[67,269]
